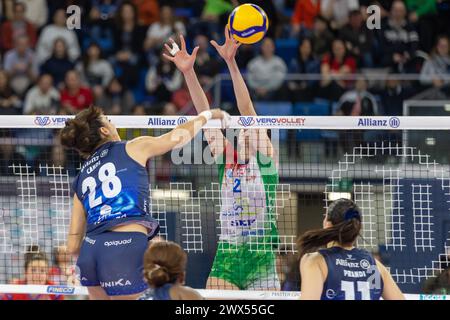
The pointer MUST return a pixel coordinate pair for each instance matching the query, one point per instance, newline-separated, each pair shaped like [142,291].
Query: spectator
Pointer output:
[266,72]
[116,100]
[337,11]
[104,9]
[246,53]
[36,11]
[17,27]
[161,82]
[440,284]
[128,39]
[334,65]
[271,12]
[358,102]
[165,271]
[399,41]
[182,102]
[8,157]
[9,102]
[160,31]
[215,9]
[42,98]
[206,66]
[36,273]
[60,272]
[321,37]
[59,63]
[393,95]
[304,63]
[437,68]
[56,31]
[95,71]
[358,39]
[148,11]
[21,66]
[75,97]
[423,13]
[304,15]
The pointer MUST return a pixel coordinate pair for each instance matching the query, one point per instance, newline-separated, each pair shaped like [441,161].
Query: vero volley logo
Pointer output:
[246,121]
[46,121]
[60,290]
[42,121]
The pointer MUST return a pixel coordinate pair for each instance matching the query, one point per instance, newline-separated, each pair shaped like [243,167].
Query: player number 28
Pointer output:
[111,184]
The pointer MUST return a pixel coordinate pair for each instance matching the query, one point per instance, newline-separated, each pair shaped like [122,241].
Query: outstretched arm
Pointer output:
[228,52]
[245,105]
[143,148]
[185,63]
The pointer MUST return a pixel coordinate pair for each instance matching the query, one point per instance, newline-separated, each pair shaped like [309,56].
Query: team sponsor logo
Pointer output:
[345,263]
[432,297]
[330,294]
[258,232]
[182,120]
[42,121]
[47,121]
[60,289]
[89,240]
[158,121]
[285,121]
[364,264]
[271,121]
[117,242]
[392,122]
[104,153]
[242,223]
[246,121]
[105,210]
[119,283]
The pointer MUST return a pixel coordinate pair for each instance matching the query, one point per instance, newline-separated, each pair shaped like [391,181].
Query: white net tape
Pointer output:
[384,218]
[206,294]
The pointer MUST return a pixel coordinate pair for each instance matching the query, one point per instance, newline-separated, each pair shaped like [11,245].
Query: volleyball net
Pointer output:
[397,169]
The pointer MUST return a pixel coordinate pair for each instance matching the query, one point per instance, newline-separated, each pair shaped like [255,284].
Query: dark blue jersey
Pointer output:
[352,275]
[161,293]
[114,189]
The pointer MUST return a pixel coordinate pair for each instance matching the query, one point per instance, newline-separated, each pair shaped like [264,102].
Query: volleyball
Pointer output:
[248,23]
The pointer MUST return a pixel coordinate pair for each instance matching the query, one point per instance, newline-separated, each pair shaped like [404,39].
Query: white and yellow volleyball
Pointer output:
[248,23]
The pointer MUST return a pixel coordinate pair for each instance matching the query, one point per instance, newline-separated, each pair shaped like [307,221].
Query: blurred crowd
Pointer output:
[115,60]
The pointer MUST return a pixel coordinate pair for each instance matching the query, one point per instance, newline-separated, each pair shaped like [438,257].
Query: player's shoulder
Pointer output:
[310,259]
[185,293]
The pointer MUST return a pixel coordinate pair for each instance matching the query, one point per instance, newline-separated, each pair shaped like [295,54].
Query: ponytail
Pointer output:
[345,218]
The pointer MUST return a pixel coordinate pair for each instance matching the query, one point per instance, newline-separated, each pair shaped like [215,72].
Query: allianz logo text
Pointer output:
[392,122]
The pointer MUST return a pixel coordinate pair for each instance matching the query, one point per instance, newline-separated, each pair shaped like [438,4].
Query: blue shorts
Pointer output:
[114,261]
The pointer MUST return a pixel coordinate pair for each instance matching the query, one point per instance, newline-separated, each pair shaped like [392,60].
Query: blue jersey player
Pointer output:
[339,271]
[111,222]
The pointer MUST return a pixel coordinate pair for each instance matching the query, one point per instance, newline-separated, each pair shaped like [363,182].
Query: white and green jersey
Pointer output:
[248,194]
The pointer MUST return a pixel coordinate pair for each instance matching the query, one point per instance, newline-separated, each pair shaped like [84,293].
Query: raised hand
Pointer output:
[228,50]
[182,59]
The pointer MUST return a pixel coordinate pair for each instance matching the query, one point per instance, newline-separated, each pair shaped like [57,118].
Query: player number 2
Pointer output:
[349,289]
[111,184]
[237,186]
